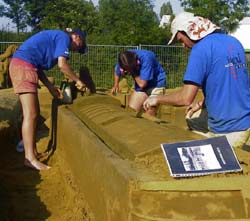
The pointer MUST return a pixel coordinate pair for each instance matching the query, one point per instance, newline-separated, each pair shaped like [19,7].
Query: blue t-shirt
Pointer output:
[217,63]
[43,49]
[150,70]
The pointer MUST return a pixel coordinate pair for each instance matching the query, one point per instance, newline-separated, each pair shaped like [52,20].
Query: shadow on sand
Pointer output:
[18,185]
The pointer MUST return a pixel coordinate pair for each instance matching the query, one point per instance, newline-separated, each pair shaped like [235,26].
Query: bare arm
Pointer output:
[43,78]
[67,70]
[183,97]
[115,88]
[116,80]
[141,83]
[53,90]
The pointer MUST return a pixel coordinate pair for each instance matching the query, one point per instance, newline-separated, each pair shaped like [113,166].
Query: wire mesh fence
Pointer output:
[101,59]
[173,59]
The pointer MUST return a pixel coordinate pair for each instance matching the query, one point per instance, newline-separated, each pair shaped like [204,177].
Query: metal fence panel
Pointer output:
[173,60]
[101,59]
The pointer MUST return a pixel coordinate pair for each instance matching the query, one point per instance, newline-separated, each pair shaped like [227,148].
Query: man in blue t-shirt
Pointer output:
[148,74]
[41,52]
[217,65]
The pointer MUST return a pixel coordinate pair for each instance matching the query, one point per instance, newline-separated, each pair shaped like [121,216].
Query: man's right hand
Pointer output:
[55,92]
[115,89]
[81,86]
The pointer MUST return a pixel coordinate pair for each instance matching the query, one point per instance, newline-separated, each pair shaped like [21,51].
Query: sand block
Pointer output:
[121,170]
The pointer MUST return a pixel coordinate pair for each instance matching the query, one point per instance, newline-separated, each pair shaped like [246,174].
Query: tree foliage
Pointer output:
[36,12]
[225,13]
[166,9]
[78,14]
[127,22]
[14,10]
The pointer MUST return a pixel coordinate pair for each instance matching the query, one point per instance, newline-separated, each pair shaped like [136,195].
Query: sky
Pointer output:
[176,6]
[158,3]
[5,22]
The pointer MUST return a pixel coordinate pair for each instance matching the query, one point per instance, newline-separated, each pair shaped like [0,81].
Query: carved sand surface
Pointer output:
[107,165]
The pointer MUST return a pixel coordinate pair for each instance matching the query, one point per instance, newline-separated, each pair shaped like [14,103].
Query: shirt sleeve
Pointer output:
[117,70]
[147,68]
[62,46]
[197,67]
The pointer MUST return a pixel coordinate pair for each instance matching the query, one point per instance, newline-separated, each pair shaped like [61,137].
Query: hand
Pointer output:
[191,109]
[115,89]
[81,86]
[55,92]
[150,102]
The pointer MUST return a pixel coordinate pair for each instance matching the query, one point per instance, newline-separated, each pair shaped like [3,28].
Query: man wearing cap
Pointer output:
[148,74]
[40,52]
[217,65]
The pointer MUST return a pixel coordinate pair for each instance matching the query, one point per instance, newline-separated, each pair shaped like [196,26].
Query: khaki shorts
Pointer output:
[156,91]
[198,124]
[24,76]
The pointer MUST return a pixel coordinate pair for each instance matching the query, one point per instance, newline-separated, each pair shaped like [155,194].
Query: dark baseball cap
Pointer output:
[84,48]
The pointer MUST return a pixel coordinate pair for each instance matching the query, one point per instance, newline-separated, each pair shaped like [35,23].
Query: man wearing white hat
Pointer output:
[217,65]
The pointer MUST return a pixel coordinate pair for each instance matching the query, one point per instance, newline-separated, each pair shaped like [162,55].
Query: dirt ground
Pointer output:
[26,194]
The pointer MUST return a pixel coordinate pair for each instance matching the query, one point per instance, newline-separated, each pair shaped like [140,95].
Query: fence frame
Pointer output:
[101,59]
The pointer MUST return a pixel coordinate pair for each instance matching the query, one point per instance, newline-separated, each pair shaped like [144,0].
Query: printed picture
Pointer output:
[198,158]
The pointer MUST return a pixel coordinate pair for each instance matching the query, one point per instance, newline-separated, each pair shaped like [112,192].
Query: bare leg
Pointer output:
[136,101]
[30,106]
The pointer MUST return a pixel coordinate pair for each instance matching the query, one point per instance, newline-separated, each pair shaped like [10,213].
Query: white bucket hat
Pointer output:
[195,27]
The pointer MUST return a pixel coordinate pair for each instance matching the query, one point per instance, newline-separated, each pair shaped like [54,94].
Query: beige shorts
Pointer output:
[23,76]
[157,91]
[198,124]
